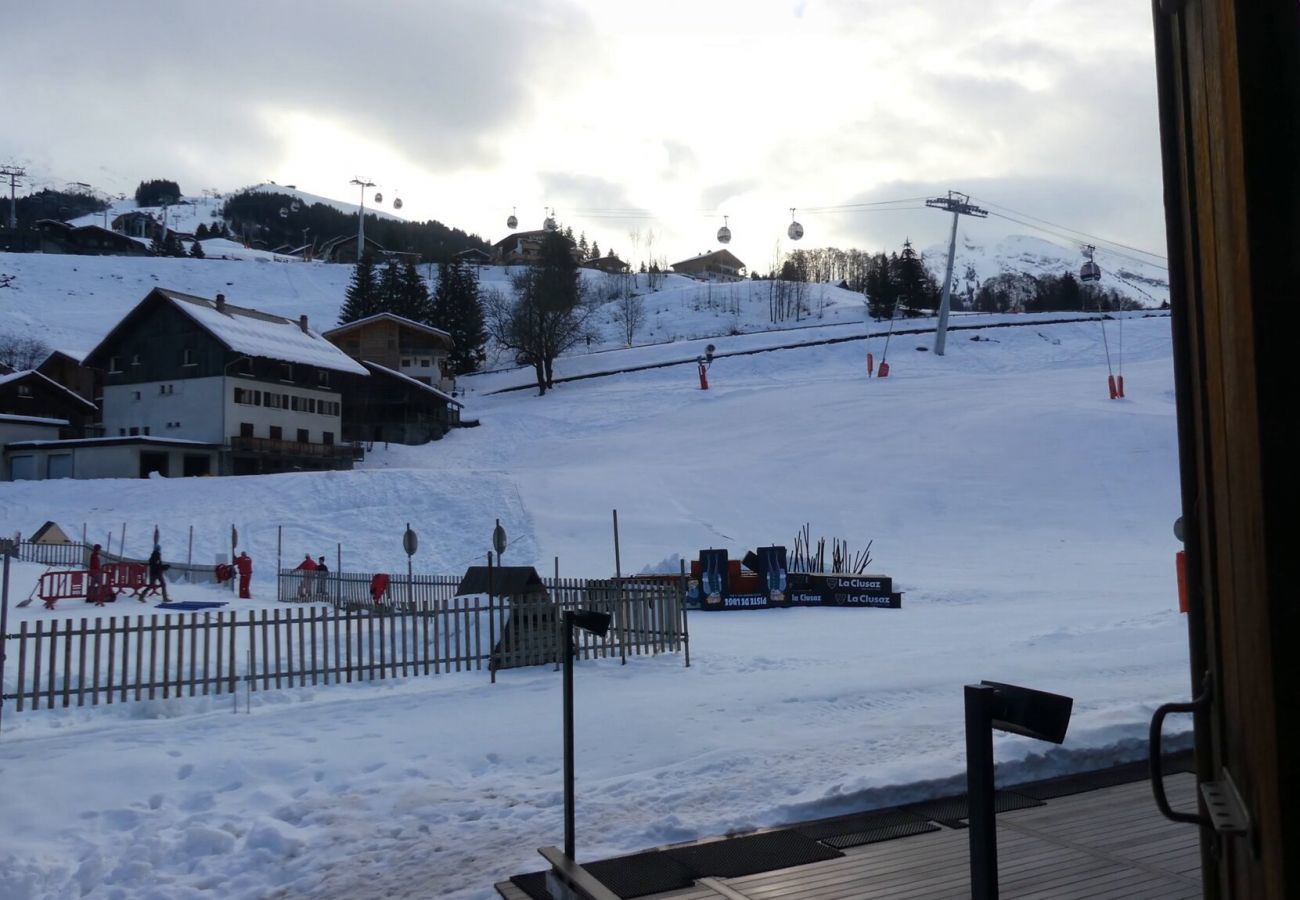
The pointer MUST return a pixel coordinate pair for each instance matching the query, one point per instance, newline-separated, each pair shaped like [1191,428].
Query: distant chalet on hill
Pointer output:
[718,265]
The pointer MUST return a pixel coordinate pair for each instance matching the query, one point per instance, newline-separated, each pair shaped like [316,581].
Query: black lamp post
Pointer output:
[1018,710]
[598,624]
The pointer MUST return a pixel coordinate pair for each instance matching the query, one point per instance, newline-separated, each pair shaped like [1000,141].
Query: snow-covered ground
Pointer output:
[1026,516]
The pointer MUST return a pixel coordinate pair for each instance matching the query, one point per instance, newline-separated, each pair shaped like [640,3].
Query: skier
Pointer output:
[244,564]
[308,569]
[156,581]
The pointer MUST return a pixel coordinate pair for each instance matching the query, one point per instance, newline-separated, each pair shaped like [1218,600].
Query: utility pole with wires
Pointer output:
[959,205]
[363,183]
[13,173]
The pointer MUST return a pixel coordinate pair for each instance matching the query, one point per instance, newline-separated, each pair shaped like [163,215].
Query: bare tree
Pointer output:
[629,311]
[546,315]
[20,353]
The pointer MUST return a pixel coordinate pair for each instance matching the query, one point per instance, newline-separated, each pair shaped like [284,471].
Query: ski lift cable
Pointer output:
[1095,237]
[1073,239]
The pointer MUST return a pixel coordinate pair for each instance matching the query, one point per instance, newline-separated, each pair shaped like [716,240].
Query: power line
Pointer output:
[1072,239]
[1074,230]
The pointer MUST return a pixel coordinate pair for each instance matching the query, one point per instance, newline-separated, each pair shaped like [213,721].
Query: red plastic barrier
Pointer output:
[884,369]
[704,378]
[1114,391]
[55,586]
[1120,384]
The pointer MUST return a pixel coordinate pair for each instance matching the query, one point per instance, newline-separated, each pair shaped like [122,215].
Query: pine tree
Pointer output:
[595,250]
[201,233]
[881,292]
[196,250]
[582,245]
[362,298]
[457,310]
[390,287]
[918,292]
[412,298]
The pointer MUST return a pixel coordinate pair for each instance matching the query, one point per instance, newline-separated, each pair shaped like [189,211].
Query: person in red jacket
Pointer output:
[308,569]
[244,565]
[93,567]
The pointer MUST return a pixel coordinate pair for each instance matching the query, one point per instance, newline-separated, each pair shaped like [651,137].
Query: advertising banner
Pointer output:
[781,588]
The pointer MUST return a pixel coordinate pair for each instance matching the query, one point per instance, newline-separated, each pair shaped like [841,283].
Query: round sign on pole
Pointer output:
[1178,528]
[410,542]
[499,539]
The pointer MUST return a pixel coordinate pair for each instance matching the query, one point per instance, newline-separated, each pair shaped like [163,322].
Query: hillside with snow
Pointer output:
[1146,283]
[1025,516]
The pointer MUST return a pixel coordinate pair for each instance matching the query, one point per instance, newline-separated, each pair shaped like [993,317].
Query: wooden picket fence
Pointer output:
[88,662]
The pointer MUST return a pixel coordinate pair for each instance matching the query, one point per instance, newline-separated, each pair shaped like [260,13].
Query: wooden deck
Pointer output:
[1108,843]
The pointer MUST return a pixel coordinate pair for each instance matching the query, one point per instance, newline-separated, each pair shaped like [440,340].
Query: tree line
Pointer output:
[254,217]
[899,283]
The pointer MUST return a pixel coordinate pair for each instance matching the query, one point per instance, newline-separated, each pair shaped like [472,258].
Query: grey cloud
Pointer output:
[714,196]
[438,80]
[583,192]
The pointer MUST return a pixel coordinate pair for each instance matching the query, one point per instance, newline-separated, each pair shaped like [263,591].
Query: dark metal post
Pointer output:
[4,613]
[979,792]
[568,734]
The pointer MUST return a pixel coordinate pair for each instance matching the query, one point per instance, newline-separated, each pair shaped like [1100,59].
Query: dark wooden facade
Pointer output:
[86,240]
[1229,92]
[390,408]
[32,394]
[67,370]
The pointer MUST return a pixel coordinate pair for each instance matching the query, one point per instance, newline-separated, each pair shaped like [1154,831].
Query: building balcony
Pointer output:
[282,448]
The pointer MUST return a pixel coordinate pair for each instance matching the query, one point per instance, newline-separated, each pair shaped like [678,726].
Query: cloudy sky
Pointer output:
[658,118]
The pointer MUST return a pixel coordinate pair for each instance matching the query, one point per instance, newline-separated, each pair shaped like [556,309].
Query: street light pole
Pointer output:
[598,624]
[568,733]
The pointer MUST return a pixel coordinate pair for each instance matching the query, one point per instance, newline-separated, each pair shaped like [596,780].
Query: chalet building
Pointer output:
[34,408]
[411,348]
[718,265]
[406,399]
[64,368]
[137,224]
[86,240]
[395,408]
[524,248]
[475,257]
[188,378]
[31,394]
[343,249]
[611,264]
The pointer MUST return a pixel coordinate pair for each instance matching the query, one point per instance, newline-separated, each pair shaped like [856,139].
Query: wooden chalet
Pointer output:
[610,264]
[524,248]
[407,397]
[717,265]
[64,367]
[86,240]
[34,395]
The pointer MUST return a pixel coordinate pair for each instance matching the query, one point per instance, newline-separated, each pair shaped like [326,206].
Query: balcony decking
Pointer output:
[1106,843]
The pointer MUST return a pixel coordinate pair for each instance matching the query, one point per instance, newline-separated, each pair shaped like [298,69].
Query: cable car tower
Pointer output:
[959,205]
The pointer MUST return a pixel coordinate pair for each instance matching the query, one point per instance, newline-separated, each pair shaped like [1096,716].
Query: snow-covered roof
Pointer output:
[379,317]
[31,420]
[260,334]
[384,370]
[32,373]
[711,253]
